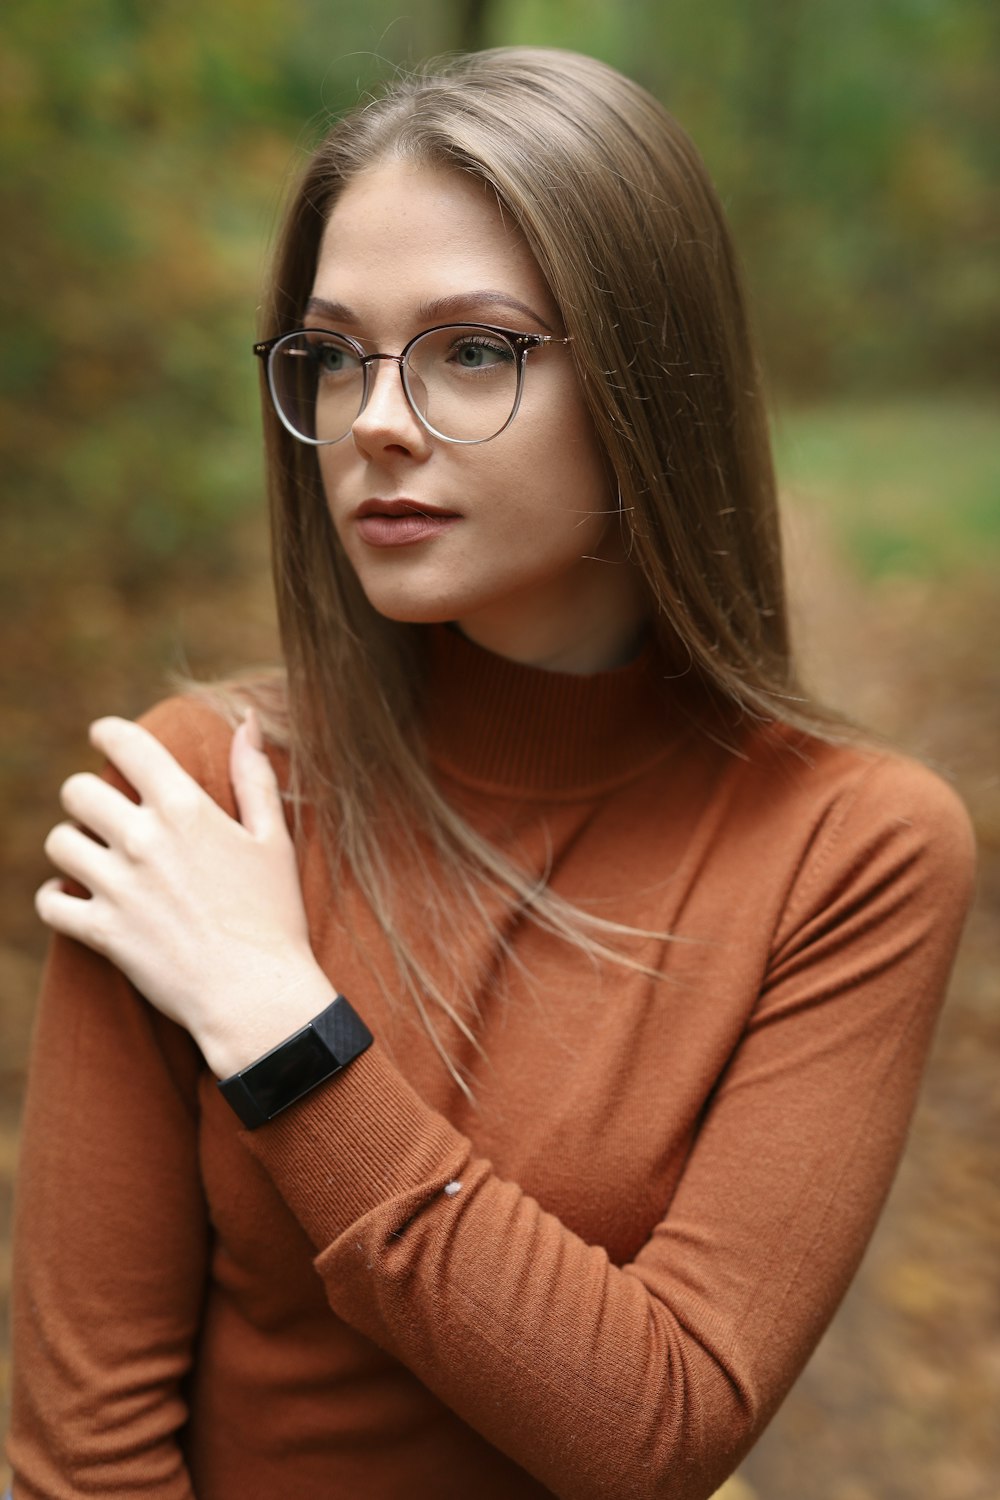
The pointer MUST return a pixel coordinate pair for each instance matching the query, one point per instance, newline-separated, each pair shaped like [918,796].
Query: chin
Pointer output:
[406,609]
[412,601]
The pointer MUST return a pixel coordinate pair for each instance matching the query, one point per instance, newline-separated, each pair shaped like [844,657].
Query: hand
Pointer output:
[202,913]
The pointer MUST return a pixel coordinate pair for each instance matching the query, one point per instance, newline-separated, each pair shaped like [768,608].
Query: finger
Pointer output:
[255,785]
[101,808]
[70,915]
[77,855]
[146,764]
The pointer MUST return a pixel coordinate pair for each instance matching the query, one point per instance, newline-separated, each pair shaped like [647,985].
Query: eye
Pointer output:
[479,352]
[334,359]
[328,356]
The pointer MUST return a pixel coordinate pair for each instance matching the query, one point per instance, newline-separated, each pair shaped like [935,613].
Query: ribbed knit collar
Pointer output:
[496,723]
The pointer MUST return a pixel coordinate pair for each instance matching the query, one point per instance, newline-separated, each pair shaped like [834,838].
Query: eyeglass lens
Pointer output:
[462,380]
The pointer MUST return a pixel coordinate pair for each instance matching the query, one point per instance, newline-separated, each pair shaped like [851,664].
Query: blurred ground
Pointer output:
[900,1401]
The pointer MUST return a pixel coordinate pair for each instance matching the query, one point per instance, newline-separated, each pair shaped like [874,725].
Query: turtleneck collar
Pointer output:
[499,724]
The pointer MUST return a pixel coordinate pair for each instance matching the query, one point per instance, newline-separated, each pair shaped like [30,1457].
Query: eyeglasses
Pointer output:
[463,381]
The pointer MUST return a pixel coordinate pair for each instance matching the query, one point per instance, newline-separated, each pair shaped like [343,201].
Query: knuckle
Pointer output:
[177,804]
[138,840]
[100,934]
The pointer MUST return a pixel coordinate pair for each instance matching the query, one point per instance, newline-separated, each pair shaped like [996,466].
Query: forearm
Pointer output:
[109,1244]
[652,1378]
[570,1365]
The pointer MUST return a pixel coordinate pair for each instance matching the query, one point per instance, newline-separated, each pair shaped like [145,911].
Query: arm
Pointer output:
[109,1246]
[653,1379]
[110,1242]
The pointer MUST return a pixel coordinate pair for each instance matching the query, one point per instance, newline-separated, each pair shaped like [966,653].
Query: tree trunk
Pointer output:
[472,16]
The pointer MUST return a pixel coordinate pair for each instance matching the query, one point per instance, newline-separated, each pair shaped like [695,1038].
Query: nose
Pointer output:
[387,420]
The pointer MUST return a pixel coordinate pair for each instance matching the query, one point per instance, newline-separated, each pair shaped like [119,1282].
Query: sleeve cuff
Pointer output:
[358,1142]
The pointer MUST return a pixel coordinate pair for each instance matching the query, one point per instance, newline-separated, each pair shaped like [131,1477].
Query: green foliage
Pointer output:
[855,145]
[147,147]
[908,487]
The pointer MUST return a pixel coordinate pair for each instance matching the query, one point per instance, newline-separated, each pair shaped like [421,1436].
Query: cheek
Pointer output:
[333,466]
[564,468]
[557,518]
[569,444]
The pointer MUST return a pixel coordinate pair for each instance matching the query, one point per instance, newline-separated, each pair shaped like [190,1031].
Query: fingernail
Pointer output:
[254,734]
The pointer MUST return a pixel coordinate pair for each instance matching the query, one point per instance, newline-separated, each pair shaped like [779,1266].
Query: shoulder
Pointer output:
[197,728]
[864,825]
[869,795]
[784,774]
[198,736]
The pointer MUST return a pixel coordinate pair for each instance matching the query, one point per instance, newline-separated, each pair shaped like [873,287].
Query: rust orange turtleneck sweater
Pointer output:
[597,1281]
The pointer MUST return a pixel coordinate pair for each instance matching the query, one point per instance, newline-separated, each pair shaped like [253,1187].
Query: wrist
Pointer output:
[271,1011]
[302,1062]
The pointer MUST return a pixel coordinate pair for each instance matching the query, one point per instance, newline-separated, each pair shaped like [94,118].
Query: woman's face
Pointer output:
[523,549]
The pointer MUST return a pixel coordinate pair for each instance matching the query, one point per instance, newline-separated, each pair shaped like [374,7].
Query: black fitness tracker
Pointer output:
[264,1088]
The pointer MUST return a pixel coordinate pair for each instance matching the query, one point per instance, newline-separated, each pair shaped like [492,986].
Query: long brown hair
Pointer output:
[618,209]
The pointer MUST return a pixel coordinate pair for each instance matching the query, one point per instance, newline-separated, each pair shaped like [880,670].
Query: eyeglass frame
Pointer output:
[522,344]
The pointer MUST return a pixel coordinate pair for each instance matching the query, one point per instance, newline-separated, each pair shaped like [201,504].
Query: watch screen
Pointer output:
[292,1071]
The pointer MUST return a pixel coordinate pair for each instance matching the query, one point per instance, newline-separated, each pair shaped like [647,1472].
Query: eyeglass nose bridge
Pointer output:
[369,359]
[401,362]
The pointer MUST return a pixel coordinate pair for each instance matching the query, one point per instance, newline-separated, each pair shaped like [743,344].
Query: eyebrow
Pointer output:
[438,307]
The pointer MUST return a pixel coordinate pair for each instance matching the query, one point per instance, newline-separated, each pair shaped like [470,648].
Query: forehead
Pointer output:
[403,233]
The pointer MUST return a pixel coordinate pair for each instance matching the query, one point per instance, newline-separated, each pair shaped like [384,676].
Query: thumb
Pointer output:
[255,786]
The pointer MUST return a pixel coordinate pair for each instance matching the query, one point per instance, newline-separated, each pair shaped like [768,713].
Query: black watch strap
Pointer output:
[330,1041]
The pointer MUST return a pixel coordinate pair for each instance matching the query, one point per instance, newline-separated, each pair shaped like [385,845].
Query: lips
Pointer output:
[399,523]
[402,507]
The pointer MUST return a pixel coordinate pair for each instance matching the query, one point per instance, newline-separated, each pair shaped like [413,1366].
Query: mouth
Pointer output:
[403,507]
[400,523]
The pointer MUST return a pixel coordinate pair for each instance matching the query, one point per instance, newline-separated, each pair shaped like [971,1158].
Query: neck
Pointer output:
[579,629]
[579,657]
[491,721]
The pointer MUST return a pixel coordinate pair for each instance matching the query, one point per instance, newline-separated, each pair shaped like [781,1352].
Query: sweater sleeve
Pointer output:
[110,1242]
[654,1378]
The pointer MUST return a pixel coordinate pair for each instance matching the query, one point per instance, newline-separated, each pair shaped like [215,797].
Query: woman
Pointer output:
[642,955]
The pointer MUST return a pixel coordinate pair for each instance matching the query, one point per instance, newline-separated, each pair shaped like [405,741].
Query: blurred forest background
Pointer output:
[146,148]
